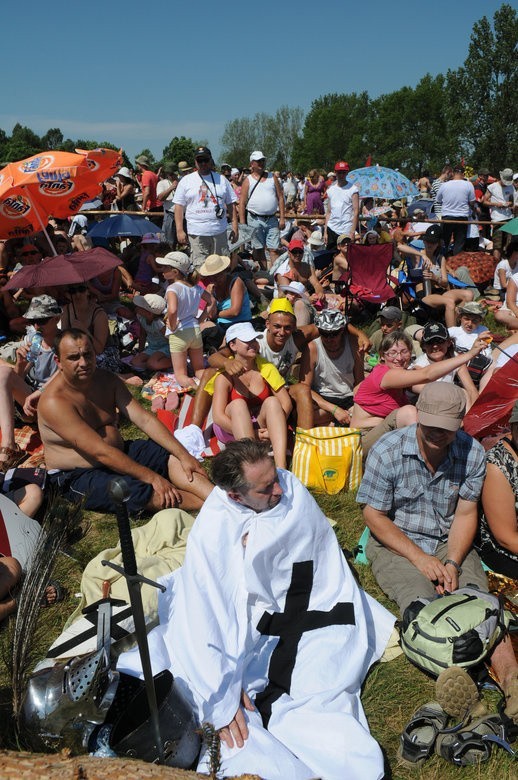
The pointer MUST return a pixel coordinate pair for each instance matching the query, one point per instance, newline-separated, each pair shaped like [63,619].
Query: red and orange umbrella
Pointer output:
[50,184]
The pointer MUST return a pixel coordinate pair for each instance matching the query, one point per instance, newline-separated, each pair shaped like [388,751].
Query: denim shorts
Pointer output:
[267,233]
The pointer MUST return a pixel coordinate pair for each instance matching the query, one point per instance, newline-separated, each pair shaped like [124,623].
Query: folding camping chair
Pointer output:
[369,268]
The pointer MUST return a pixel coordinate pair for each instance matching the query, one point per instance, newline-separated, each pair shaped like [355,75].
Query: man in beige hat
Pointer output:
[420,494]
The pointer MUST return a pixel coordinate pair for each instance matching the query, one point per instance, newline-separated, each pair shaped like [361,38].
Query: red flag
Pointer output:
[490,413]
[368,161]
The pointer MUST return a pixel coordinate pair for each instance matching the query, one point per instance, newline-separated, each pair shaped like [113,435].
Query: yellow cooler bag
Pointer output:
[328,459]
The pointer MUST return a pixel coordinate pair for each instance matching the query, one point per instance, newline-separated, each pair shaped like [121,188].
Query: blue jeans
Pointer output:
[267,232]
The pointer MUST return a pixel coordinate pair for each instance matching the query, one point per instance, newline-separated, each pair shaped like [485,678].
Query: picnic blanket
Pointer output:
[480,265]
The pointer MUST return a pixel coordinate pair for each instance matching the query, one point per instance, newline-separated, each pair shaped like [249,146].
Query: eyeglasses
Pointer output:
[77,288]
[299,252]
[203,159]
[394,354]
[30,252]
[42,320]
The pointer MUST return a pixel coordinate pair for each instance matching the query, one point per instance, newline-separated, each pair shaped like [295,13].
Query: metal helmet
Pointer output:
[132,733]
[64,702]
[330,319]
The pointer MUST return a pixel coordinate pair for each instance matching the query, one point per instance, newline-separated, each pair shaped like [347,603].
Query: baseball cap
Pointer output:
[472,307]
[257,155]
[234,171]
[244,331]
[150,302]
[441,405]
[433,234]
[343,237]
[42,306]
[515,176]
[507,176]
[391,314]
[178,260]
[202,151]
[341,165]
[296,243]
[281,305]
[434,330]
[316,239]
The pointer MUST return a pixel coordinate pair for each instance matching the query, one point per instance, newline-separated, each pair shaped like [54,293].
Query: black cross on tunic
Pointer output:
[289,627]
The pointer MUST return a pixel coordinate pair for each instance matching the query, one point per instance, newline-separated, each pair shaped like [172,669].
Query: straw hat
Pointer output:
[152,303]
[214,264]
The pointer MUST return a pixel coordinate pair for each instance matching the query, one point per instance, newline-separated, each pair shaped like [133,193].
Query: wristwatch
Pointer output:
[454,564]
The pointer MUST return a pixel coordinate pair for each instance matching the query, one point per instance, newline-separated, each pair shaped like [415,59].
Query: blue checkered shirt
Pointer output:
[398,483]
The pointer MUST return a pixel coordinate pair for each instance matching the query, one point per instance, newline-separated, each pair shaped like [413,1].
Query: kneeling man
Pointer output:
[266,630]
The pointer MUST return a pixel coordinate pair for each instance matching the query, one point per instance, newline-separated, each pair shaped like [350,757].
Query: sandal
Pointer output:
[60,591]
[472,744]
[14,456]
[456,692]
[417,741]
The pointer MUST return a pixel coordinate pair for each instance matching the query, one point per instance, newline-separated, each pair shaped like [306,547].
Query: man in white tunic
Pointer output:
[266,630]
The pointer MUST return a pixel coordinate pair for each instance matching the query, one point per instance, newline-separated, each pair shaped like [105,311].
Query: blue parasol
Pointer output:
[377,182]
[122,225]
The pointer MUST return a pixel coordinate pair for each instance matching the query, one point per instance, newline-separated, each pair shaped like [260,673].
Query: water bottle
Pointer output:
[35,348]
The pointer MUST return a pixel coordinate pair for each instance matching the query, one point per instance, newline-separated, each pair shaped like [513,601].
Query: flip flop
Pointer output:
[417,741]
[456,692]
[472,744]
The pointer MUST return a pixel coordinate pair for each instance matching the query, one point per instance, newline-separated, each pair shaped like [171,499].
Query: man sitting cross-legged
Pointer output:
[77,418]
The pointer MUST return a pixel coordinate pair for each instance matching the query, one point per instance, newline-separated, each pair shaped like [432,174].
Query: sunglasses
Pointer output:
[77,288]
[433,342]
[297,252]
[42,320]
[203,159]
[30,252]
[330,334]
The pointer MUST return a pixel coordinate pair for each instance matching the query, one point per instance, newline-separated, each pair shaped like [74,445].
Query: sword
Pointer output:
[119,494]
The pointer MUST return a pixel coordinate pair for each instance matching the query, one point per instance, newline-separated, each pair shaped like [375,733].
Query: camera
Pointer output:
[220,212]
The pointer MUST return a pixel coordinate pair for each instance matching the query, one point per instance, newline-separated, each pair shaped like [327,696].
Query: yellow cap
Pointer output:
[281,304]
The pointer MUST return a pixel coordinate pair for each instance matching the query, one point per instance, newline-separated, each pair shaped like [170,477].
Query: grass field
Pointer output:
[393,691]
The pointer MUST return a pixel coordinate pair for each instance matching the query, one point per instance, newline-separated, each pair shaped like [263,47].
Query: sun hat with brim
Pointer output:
[441,405]
[397,204]
[506,176]
[343,237]
[151,302]
[316,239]
[297,288]
[149,238]
[214,264]
[178,260]
[434,330]
[43,306]
[124,172]
[330,320]
[514,414]
[143,160]
[169,167]
[472,307]
[184,167]
[391,314]
[244,331]
[282,306]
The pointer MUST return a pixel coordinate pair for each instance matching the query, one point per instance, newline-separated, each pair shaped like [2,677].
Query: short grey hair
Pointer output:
[228,467]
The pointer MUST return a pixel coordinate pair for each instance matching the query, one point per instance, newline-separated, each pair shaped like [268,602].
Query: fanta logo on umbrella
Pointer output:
[36,164]
[92,164]
[75,203]
[56,187]
[15,207]
[58,174]
[18,232]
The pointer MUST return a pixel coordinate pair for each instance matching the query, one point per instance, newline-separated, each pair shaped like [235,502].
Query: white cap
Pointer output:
[151,302]
[124,172]
[316,239]
[297,288]
[244,331]
[178,260]
[257,156]
[236,170]
[515,176]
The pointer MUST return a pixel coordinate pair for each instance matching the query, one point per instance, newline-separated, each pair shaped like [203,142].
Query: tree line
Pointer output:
[470,113]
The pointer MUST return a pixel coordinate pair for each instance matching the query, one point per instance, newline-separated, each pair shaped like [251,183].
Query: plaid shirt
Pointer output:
[398,483]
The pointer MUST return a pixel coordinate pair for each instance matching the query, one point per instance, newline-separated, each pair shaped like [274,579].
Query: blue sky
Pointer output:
[139,73]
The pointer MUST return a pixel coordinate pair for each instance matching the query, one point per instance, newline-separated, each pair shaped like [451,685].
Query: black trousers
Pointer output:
[456,231]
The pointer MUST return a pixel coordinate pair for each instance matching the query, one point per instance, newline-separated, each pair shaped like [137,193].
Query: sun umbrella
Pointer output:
[377,182]
[50,184]
[122,225]
[64,269]
[510,227]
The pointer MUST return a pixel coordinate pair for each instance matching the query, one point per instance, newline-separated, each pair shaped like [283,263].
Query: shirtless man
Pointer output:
[77,417]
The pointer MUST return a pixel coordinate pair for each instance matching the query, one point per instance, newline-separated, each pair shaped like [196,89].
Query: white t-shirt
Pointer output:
[188,304]
[341,207]
[501,193]
[422,361]
[503,265]
[264,200]
[200,196]
[503,359]
[514,277]
[455,197]
[282,360]
[162,186]
[464,341]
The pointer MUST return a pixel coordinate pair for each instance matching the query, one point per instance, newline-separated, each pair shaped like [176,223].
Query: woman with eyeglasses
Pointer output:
[381,403]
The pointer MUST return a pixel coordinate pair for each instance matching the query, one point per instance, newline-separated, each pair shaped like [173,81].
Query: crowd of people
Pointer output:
[243,294]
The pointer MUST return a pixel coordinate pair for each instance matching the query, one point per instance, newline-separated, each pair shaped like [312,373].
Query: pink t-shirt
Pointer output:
[374,399]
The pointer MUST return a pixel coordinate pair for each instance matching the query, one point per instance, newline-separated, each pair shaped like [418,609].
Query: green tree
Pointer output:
[180,148]
[481,95]
[22,143]
[336,127]
[53,139]
[240,137]
[274,134]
